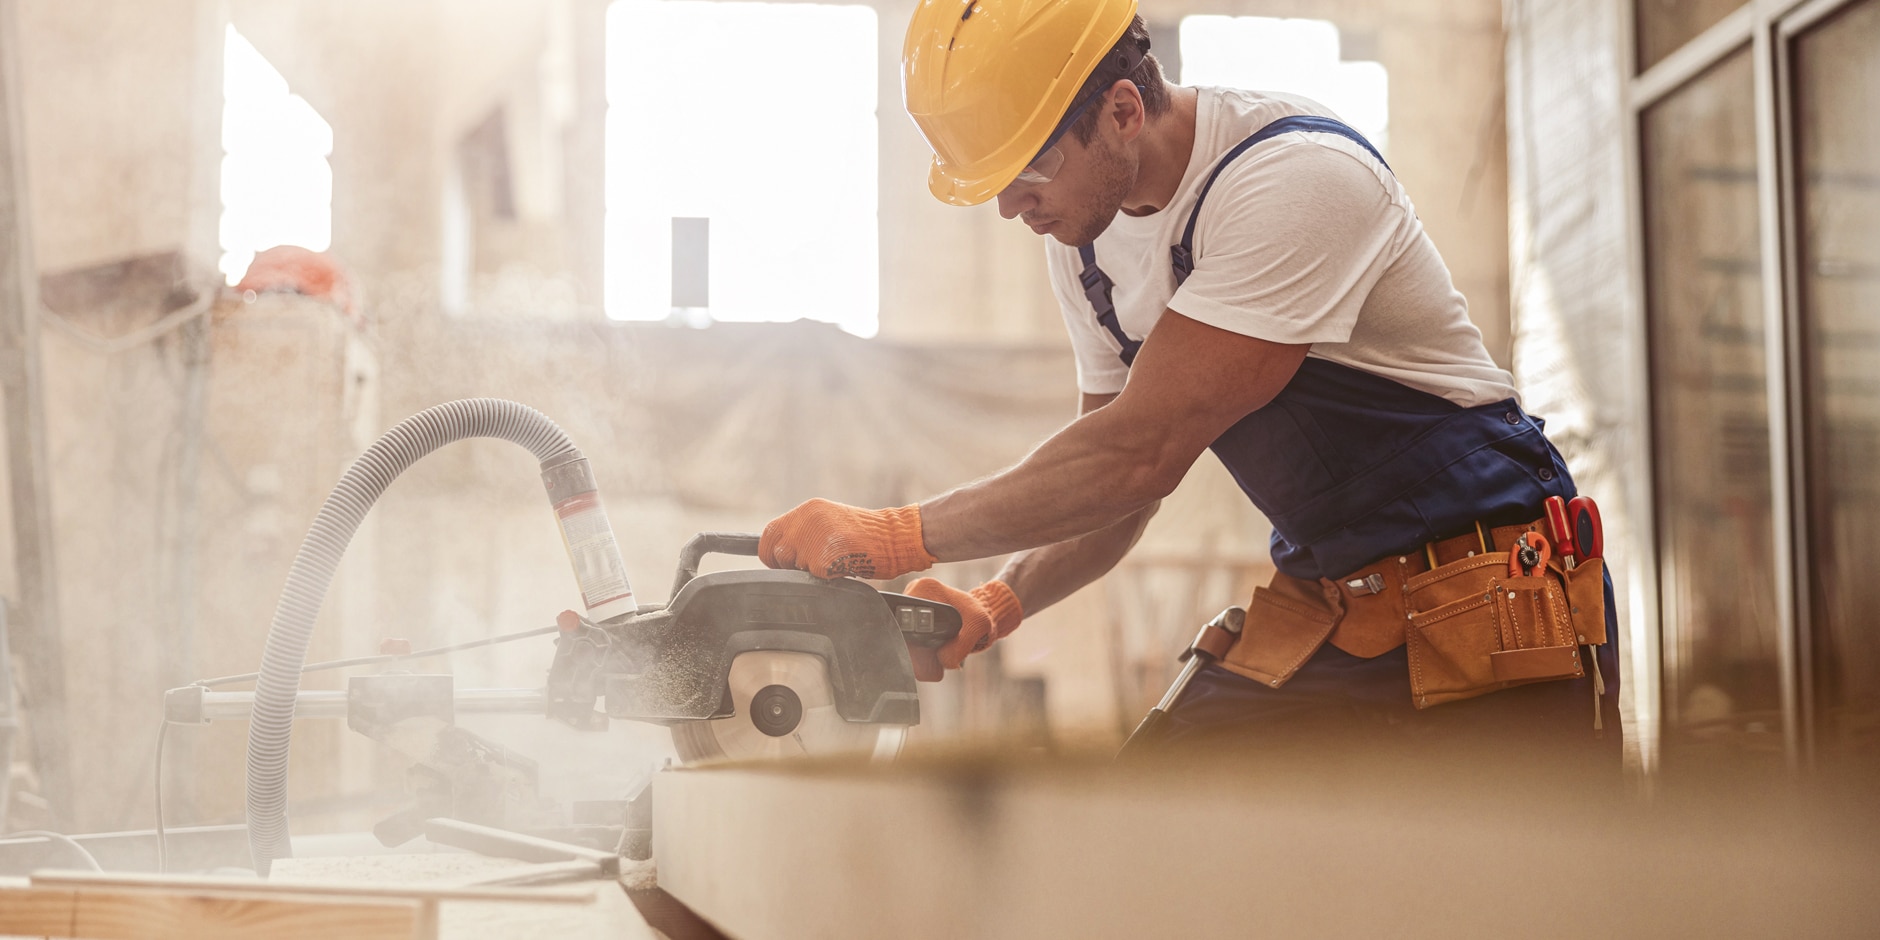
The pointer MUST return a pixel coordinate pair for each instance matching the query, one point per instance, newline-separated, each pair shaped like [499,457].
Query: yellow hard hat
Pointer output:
[988,80]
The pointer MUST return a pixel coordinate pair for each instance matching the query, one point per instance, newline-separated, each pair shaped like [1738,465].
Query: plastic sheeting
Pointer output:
[1578,355]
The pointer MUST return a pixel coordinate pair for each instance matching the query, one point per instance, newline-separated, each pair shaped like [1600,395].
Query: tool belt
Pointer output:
[1471,627]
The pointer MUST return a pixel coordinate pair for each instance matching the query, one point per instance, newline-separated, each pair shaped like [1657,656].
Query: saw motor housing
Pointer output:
[672,664]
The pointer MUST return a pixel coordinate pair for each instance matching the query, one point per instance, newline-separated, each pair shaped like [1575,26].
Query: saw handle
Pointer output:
[923,622]
[706,543]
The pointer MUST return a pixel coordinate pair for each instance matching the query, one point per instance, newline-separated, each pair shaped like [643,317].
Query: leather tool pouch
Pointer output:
[1469,628]
[1287,622]
[1586,591]
[1474,629]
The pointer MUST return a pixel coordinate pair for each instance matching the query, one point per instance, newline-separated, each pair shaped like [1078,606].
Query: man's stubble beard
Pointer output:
[1113,176]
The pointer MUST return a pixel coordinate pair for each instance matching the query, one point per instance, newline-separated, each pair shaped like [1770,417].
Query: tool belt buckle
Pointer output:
[1369,584]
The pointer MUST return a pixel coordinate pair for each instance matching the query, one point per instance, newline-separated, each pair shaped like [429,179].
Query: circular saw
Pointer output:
[755,664]
[782,706]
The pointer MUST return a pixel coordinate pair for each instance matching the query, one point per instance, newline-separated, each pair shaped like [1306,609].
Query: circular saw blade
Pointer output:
[806,715]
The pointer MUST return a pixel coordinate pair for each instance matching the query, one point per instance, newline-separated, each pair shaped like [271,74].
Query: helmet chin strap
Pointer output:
[1125,62]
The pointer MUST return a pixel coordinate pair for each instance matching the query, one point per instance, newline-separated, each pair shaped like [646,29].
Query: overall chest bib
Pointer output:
[1349,466]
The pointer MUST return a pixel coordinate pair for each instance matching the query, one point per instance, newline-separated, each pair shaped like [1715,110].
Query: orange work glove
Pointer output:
[987,613]
[830,540]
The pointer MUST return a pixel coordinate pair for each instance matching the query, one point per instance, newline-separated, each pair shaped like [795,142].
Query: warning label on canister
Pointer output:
[594,552]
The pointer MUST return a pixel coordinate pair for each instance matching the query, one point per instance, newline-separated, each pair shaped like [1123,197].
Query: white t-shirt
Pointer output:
[1305,238]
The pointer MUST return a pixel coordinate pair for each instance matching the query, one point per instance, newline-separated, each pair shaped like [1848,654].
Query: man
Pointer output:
[1306,330]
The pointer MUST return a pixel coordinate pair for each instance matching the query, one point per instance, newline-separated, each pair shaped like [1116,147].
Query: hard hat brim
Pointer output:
[955,191]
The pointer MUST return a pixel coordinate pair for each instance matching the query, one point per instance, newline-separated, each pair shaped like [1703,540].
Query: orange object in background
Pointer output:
[293,269]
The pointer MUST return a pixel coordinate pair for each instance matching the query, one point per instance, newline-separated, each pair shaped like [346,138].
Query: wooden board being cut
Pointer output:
[1354,846]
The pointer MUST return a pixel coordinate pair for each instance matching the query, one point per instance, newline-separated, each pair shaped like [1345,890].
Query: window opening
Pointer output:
[277,187]
[742,153]
[1293,56]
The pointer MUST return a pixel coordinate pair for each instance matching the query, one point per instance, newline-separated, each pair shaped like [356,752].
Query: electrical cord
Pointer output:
[163,856]
[205,299]
[90,859]
[394,657]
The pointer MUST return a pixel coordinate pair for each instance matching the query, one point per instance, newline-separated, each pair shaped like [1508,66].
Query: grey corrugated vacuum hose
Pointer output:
[596,558]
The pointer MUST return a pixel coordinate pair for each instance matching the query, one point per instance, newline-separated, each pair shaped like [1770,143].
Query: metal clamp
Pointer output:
[1369,584]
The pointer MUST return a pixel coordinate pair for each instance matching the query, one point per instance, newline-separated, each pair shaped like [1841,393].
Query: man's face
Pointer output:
[1084,194]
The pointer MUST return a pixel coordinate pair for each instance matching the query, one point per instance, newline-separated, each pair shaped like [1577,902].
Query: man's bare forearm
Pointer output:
[1189,385]
[1043,576]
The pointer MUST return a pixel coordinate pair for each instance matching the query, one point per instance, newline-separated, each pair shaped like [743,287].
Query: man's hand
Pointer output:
[830,540]
[987,613]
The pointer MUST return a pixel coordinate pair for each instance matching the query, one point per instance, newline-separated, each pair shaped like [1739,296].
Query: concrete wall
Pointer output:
[121,96]
[123,112]
[122,128]
[947,274]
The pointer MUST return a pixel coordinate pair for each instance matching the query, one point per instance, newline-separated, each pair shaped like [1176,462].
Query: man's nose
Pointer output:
[1014,200]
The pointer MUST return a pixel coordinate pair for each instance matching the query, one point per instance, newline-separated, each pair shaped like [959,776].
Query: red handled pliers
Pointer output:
[1529,555]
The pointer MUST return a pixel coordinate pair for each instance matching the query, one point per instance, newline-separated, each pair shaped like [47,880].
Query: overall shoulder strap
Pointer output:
[1182,256]
[1097,287]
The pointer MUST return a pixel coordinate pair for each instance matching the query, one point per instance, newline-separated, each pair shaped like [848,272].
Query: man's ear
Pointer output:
[1124,109]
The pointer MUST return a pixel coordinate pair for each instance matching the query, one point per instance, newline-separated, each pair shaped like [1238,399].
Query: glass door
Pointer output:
[1710,411]
[1835,82]
[1758,129]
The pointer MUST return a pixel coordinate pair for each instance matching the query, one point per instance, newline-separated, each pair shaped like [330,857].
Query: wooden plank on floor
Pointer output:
[610,917]
[113,913]
[435,892]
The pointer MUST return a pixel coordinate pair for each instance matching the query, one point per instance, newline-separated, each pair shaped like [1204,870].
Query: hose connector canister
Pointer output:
[588,536]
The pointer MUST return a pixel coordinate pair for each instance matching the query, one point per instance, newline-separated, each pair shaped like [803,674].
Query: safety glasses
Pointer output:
[1044,167]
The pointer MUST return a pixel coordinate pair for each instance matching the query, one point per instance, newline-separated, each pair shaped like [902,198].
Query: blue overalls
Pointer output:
[1351,467]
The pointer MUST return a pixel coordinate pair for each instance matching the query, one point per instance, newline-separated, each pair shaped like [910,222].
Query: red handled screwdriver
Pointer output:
[1558,528]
